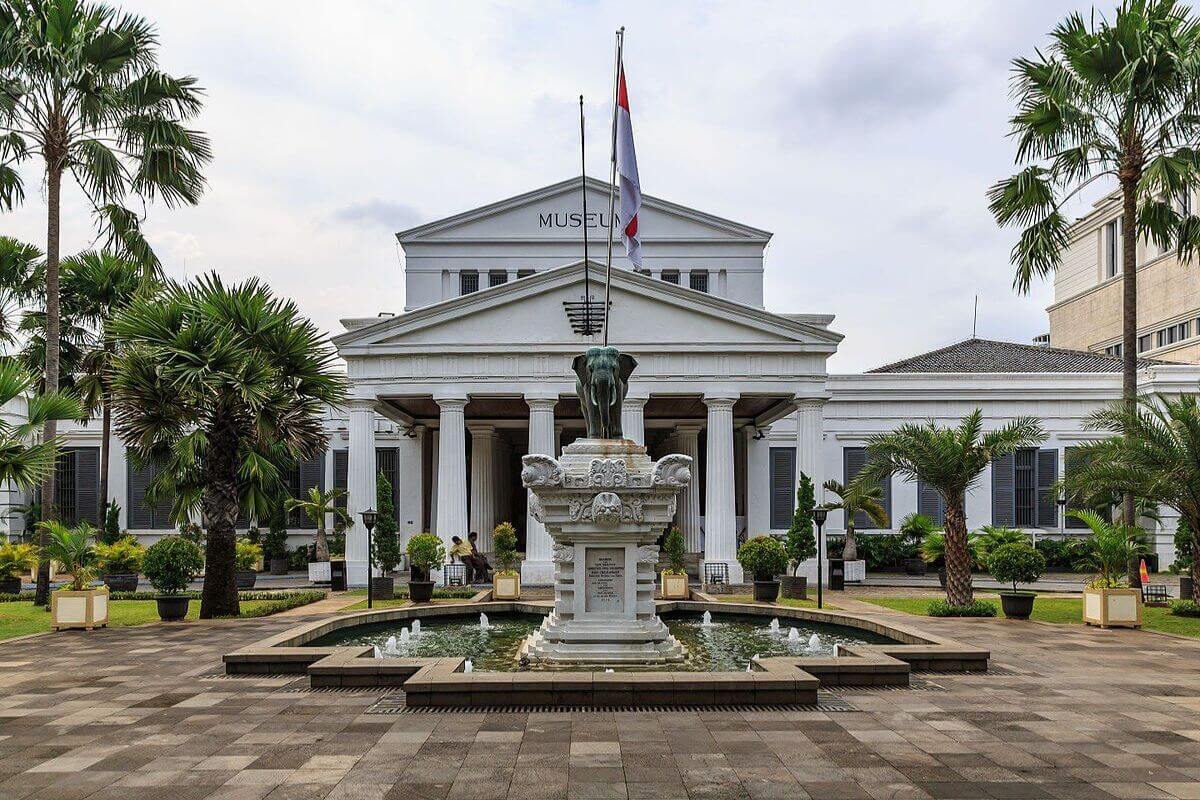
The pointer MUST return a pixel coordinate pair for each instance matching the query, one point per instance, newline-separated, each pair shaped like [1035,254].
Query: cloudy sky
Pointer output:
[863,135]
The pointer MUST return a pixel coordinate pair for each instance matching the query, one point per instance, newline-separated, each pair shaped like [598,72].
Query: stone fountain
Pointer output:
[604,504]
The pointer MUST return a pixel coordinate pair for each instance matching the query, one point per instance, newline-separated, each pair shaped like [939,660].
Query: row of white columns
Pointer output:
[449,514]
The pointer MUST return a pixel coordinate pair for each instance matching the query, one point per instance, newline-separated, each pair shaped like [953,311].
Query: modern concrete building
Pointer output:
[476,371]
[1086,313]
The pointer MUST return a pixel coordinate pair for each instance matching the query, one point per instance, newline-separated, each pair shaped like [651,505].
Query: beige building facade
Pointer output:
[1086,313]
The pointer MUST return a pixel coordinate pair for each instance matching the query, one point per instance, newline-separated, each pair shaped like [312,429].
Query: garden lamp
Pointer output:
[1062,516]
[368,520]
[819,515]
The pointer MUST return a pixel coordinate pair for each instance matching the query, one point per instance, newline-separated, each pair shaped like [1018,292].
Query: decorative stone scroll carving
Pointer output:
[535,508]
[540,470]
[648,554]
[607,509]
[563,554]
[673,470]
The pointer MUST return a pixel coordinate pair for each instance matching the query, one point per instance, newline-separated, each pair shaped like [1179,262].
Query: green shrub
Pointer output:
[764,557]
[171,563]
[884,550]
[675,549]
[275,604]
[990,538]
[275,542]
[1016,563]
[122,557]
[980,608]
[504,544]
[915,527]
[426,551]
[800,542]
[246,555]
[298,558]
[1185,608]
[193,533]
[112,523]
[1183,548]
[386,543]
[933,547]
[1059,554]
[17,559]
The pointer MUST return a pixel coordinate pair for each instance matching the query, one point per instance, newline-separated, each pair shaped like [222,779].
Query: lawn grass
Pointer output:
[1056,610]
[20,618]
[748,598]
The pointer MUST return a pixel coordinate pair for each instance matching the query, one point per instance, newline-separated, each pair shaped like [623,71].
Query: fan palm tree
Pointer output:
[223,387]
[81,92]
[853,497]
[316,507]
[1155,454]
[951,461]
[1107,100]
[20,279]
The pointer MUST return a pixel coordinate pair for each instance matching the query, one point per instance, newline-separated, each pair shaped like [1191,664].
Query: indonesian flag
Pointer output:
[631,188]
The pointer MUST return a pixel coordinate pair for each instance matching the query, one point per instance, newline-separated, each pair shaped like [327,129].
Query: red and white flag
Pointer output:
[631,188]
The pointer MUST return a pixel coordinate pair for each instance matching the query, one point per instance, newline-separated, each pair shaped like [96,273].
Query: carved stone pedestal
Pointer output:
[604,503]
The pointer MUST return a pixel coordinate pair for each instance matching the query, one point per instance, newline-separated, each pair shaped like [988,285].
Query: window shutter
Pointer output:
[930,503]
[783,486]
[139,515]
[387,461]
[87,485]
[1004,491]
[64,486]
[341,474]
[1047,499]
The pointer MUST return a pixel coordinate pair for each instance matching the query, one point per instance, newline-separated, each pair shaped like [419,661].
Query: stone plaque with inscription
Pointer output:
[604,580]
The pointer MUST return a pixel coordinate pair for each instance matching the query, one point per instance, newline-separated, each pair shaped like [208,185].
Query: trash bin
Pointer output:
[337,574]
[837,573]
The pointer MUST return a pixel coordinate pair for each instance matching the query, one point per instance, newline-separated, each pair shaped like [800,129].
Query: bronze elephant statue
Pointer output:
[601,381]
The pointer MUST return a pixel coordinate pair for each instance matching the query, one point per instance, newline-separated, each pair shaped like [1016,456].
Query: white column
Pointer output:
[538,569]
[412,489]
[687,442]
[360,483]
[720,532]
[810,456]
[483,486]
[452,470]
[503,454]
[633,424]
[434,447]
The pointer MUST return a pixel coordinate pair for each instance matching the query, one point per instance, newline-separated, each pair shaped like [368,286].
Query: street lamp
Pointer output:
[368,518]
[819,515]
[1062,517]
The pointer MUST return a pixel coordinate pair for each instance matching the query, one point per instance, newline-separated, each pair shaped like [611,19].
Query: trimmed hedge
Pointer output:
[980,608]
[1185,608]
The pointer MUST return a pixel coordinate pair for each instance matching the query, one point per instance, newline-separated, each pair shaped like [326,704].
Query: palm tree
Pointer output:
[1155,454]
[316,507]
[20,281]
[223,387]
[1109,548]
[98,285]
[1116,101]
[81,92]
[73,548]
[951,460]
[853,497]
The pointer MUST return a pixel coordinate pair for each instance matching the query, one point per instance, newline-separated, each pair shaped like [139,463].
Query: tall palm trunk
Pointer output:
[850,550]
[105,437]
[1195,565]
[219,597]
[321,550]
[1129,326]
[958,557]
[50,429]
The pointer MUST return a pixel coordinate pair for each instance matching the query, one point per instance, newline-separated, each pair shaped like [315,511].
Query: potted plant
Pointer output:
[506,583]
[426,552]
[316,507]
[1016,563]
[989,538]
[674,577]
[913,530]
[1107,600]
[386,543]
[15,560]
[170,564]
[246,557]
[120,562]
[275,542]
[112,523]
[855,497]
[800,542]
[764,558]
[78,606]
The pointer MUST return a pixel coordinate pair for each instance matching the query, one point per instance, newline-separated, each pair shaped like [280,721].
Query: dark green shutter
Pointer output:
[930,503]
[1047,499]
[783,486]
[87,485]
[138,514]
[341,474]
[1004,491]
[302,477]
[853,461]
[387,461]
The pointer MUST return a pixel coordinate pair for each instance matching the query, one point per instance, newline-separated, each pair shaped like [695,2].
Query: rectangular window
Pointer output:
[525,273]
[497,278]
[1113,350]
[140,514]
[853,460]
[1112,249]
[671,276]
[783,486]
[1144,342]
[468,282]
[1075,458]
[698,280]
[1022,489]
[301,478]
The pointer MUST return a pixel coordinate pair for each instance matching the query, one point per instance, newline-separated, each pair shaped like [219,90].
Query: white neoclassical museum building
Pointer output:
[476,372]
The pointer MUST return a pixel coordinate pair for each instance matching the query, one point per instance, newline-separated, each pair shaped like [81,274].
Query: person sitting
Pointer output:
[477,562]
[460,552]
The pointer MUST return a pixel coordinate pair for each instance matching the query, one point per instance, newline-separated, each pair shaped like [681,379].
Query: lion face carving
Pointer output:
[606,508]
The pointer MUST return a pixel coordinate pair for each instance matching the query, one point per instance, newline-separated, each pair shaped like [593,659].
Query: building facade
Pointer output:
[476,372]
[1086,312]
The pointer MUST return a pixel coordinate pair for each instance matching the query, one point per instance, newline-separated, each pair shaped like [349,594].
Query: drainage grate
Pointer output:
[394,704]
[914,685]
[306,689]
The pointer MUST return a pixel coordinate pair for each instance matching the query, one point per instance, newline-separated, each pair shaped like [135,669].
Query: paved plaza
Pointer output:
[1066,712]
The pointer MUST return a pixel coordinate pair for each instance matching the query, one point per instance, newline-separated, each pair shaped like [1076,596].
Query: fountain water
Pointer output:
[389,647]
[793,635]
[774,626]
[378,653]
[404,636]
[469,666]
[706,619]
[416,627]
[484,625]
[814,642]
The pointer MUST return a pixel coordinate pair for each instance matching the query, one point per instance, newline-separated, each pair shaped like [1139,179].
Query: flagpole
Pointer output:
[587,293]
[612,179]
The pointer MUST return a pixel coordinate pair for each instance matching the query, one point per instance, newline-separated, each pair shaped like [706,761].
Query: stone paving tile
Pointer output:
[134,713]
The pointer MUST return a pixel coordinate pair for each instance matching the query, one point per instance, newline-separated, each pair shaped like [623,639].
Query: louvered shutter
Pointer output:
[783,486]
[1004,491]
[341,474]
[387,461]
[1074,458]
[1047,498]
[930,503]
[87,485]
[309,474]
[138,514]
[853,461]
[64,486]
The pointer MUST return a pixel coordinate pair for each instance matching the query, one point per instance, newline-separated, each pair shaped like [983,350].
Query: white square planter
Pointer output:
[856,571]
[1112,608]
[86,609]
[318,572]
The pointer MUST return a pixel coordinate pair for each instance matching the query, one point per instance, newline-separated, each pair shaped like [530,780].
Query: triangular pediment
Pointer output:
[646,313]
[556,213]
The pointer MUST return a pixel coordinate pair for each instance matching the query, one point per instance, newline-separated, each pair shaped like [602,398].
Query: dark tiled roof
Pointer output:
[985,355]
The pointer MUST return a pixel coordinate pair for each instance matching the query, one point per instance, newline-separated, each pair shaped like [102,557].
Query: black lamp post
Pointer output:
[368,518]
[819,515]
[1062,516]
